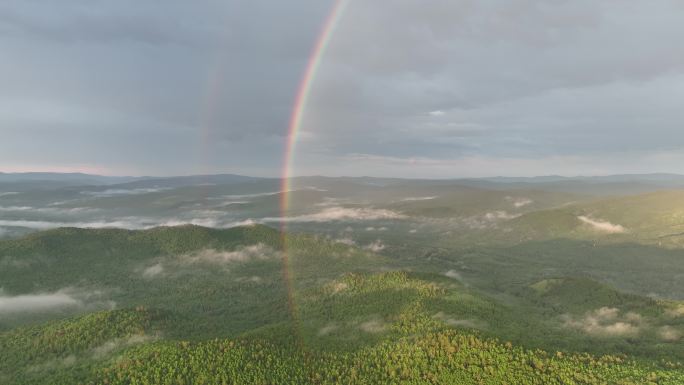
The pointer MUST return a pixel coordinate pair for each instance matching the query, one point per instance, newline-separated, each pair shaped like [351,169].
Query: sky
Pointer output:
[406,88]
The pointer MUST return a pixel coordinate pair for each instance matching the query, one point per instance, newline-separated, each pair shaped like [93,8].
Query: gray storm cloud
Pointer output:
[406,88]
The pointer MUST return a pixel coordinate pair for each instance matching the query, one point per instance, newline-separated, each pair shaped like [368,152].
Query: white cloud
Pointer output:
[206,222]
[606,322]
[488,220]
[117,192]
[48,210]
[231,203]
[63,299]
[254,195]
[410,199]
[452,321]
[241,254]
[252,279]
[373,326]
[246,222]
[38,302]
[676,311]
[328,201]
[55,363]
[110,346]
[498,215]
[43,225]
[454,275]
[342,214]
[669,333]
[601,225]
[270,193]
[327,329]
[338,287]
[68,298]
[153,271]
[16,208]
[376,246]
[131,223]
[346,241]
[436,113]
[519,202]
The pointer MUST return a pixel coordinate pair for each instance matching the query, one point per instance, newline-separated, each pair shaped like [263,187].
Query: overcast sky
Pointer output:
[412,88]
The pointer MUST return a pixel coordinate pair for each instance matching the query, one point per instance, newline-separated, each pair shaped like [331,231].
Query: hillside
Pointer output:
[195,304]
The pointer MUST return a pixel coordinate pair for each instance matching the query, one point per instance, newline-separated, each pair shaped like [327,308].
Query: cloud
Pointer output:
[38,302]
[488,219]
[346,241]
[388,86]
[499,215]
[119,192]
[16,208]
[64,299]
[246,222]
[606,322]
[153,271]
[250,279]
[271,193]
[454,275]
[376,246]
[254,195]
[453,321]
[342,214]
[7,193]
[373,326]
[49,210]
[372,228]
[338,287]
[110,346]
[258,251]
[410,199]
[513,59]
[131,223]
[329,201]
[669,333]
[602,225]
[230,203]
[677,310]
[55,363]
[519,202]
[327,329]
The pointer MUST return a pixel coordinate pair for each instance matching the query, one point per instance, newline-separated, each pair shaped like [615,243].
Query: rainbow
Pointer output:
[301,100]
[295,124]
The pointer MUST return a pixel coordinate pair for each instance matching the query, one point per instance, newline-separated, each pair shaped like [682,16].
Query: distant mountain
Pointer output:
[656,177]
[591,185]
[52,181]
[64,178]
[191,180]
[586,185]
[49,181]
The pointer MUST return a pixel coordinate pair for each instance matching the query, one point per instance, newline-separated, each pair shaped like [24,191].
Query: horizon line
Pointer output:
[151,176]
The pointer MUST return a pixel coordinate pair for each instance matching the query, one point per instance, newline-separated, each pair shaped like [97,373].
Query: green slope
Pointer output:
[212,306]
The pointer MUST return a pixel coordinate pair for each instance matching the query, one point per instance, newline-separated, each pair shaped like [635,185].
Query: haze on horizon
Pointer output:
[451,89]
